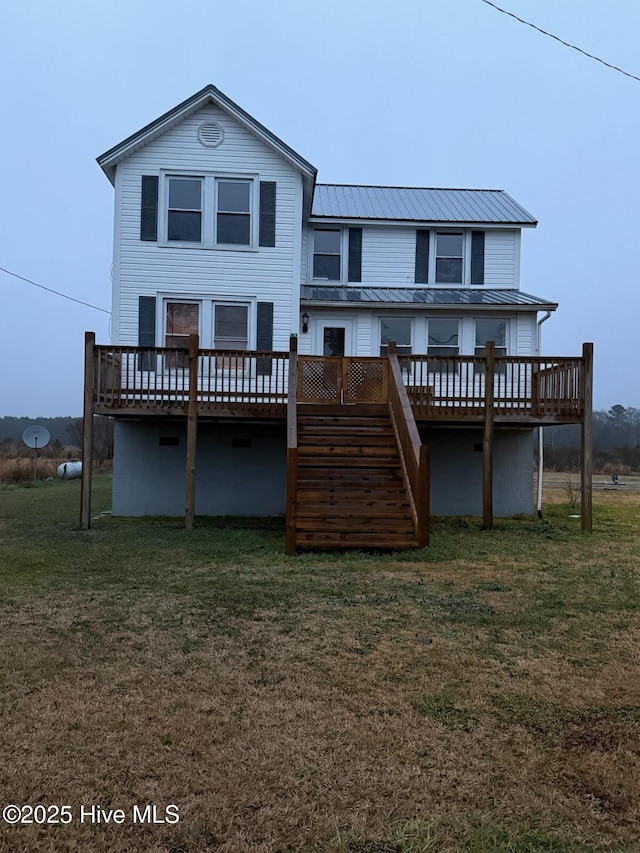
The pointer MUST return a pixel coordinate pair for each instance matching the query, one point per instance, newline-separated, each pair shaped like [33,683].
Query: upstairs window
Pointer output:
[233,213]
[213,212]
[396,329]
[327,245]
[184,214]
[449,254]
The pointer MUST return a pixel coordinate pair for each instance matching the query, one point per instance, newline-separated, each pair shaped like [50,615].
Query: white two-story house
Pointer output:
[222,231]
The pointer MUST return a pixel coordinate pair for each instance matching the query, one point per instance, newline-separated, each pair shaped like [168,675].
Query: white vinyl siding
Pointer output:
[500,259]
[258,274]
[388,256]
[526,334]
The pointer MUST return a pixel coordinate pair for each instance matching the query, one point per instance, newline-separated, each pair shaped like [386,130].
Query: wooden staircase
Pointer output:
[357,471]
[350,488]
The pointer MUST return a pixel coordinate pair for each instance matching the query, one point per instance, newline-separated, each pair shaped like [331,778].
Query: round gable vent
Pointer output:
[211,134]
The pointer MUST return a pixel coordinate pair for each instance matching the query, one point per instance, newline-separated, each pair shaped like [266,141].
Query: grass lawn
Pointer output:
[482,694]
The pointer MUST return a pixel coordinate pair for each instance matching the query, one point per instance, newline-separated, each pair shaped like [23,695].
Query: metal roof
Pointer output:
[415,204]
[424,296]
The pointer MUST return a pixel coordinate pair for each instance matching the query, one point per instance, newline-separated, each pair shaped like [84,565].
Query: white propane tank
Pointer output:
[70,470]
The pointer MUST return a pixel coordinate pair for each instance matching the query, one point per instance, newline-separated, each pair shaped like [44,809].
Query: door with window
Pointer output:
[336,337]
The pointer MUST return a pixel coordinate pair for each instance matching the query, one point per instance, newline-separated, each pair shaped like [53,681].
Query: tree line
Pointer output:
[616,442]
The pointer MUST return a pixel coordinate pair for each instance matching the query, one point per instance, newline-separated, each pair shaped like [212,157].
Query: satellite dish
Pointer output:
[36,436]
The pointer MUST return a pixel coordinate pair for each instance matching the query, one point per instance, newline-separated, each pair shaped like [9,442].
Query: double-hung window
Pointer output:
[449,257]
[230,332]
[327,252]
[181,320]
[443,341]
[210,211]
[496,331]
[184,211]
[396,329]
[491,330]
[233,212]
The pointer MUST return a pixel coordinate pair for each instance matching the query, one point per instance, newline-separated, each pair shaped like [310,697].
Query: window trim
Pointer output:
[209,210]
[400,348]
[451,232]
[441,367]
[467,249]
[206,317]
[344,252]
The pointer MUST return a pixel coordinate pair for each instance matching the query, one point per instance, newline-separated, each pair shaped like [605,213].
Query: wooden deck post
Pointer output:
[192,432]
[292,449]
[487,438]
[87,430]
[586,449]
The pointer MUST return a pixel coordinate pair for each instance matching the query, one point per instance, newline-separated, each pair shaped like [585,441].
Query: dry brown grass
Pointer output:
[480,696]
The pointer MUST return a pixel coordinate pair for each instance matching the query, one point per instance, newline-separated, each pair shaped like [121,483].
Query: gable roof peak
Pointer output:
[208,94]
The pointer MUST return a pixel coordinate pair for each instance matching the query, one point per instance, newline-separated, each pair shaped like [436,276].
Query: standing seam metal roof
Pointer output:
[423,296]
[343,201]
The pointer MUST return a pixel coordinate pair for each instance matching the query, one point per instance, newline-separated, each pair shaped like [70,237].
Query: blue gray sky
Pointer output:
[432,93]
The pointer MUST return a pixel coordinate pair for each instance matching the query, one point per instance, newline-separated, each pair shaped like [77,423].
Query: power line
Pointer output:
[57,292]
[562,41]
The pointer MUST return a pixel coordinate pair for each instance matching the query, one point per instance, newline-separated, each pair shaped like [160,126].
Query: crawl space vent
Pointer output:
[211,134]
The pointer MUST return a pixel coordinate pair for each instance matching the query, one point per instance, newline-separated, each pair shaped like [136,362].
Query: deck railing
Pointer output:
[534,386]
[413,453]
[158,377]
[439,387]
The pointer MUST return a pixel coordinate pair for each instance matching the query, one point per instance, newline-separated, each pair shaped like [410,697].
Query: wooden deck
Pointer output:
[526,390]
[358,473]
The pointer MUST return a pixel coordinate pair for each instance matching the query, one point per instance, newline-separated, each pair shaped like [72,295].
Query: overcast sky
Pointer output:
[430,93]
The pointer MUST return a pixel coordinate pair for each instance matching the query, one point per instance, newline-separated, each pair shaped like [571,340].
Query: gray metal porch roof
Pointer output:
[416,204]
[423,296]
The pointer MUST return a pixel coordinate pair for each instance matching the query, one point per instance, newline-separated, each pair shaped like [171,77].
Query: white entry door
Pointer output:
[336,337]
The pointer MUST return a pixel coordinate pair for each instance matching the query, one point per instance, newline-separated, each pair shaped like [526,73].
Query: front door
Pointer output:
[336,337]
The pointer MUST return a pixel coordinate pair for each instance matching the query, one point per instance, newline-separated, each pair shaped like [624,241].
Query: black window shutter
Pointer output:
[422,256]
[355,254]
[477,257]
[264,336]
[146,331]
[267,213]
[149,208]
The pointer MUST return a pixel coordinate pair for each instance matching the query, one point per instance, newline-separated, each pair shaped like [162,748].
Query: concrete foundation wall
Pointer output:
[456,471]
[240,469]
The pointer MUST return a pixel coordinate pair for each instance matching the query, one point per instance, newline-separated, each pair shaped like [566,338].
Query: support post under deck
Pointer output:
[586,449]
[192,432]
[487,439]
[87,431]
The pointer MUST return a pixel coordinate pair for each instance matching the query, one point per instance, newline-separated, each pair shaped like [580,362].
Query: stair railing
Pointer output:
[292,449]
[414,455]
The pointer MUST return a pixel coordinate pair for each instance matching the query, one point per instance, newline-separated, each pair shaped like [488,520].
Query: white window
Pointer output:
[396,329]
[327,254]
[491,330]
[233,212]
[212,211]
[220,325]
[230,326]
[181,320]
[449,257]
[443,340]
[184,213]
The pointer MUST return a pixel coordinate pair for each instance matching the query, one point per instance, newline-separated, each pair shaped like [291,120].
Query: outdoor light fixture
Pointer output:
[305,322]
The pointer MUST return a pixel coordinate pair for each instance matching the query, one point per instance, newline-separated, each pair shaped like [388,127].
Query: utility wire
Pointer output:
[565,43]
[57,292]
